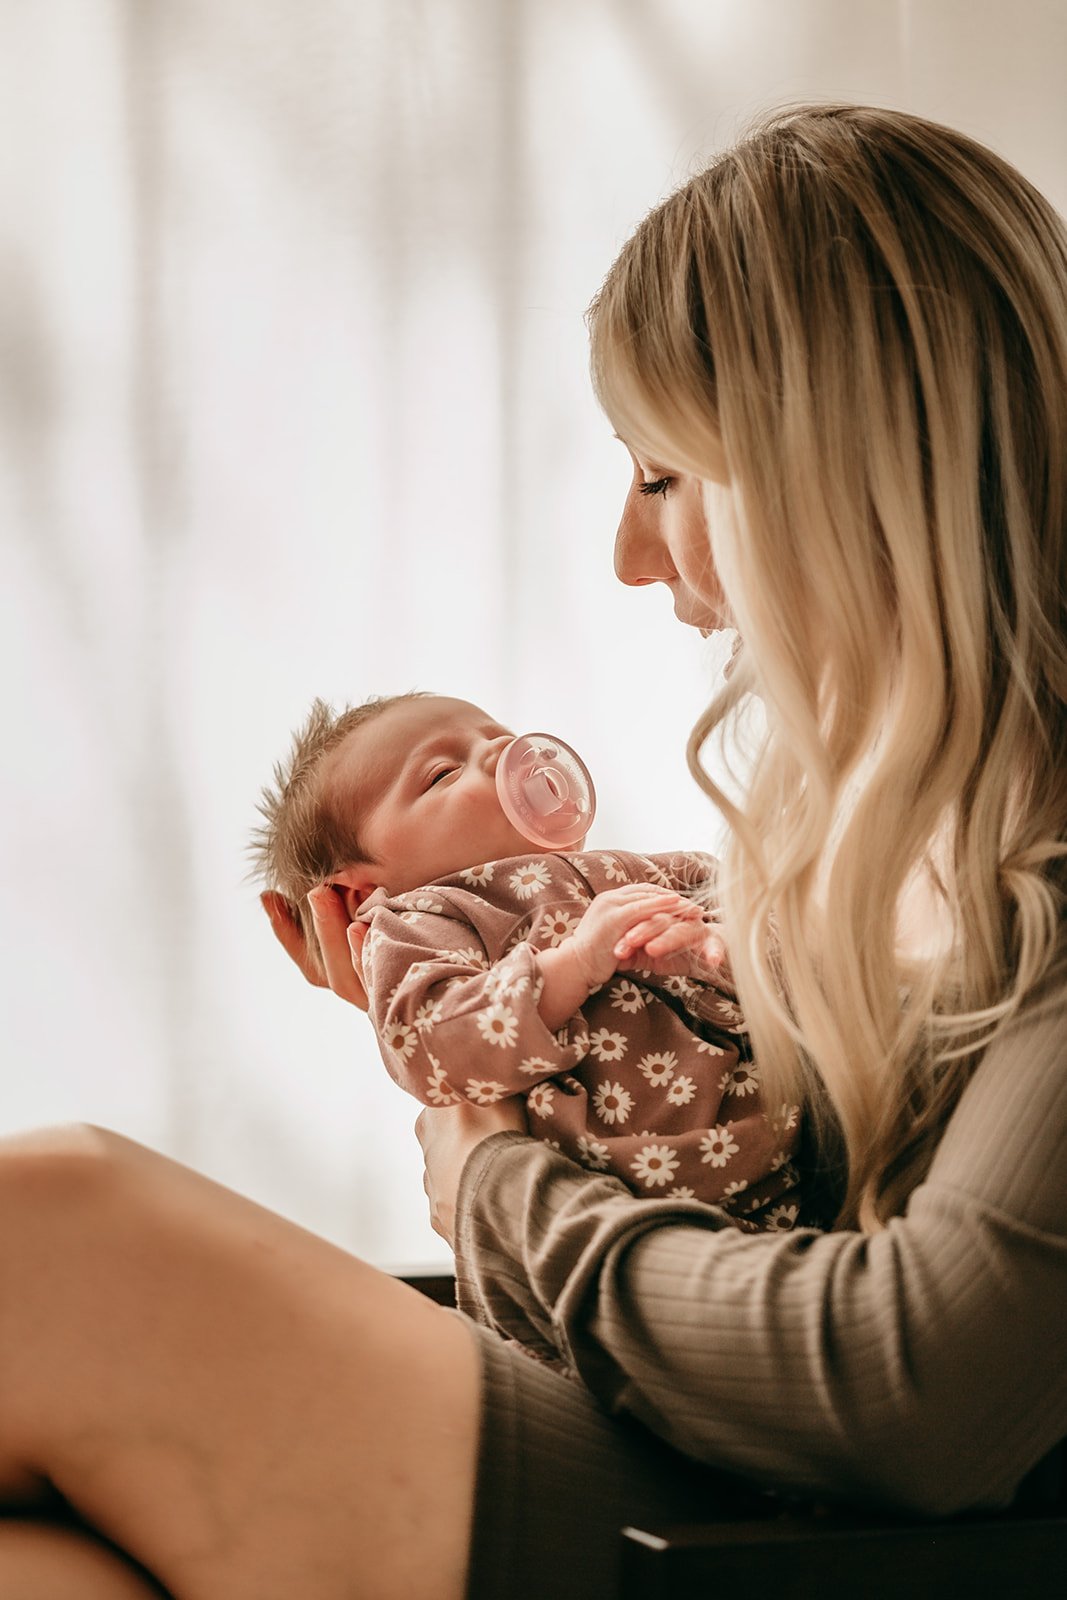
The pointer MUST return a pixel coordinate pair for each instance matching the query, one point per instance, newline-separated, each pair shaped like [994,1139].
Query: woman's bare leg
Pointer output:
[39,1562]
[242,1407]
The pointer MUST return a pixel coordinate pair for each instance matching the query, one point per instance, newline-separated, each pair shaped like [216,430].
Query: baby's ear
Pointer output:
[354,884]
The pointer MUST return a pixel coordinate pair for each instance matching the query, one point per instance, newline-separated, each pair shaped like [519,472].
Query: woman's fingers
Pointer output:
[290,935]
[330,917]
[447,1135]
[344,970]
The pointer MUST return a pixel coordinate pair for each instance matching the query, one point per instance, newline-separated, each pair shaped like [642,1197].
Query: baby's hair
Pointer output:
[304,838]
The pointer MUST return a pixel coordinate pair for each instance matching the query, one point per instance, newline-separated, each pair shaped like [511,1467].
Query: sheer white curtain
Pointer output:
[293,401]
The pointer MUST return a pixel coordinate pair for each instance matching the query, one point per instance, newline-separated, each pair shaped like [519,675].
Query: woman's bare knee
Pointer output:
[40,1561]
[60,1166]
[232,1399]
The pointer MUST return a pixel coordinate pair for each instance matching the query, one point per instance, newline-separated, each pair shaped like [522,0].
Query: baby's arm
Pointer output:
[638,917]
[452,1024]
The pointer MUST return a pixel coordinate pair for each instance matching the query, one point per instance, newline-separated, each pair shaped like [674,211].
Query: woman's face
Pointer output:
[663,538]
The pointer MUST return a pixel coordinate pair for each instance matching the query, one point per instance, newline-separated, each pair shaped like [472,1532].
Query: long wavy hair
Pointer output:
[868,313]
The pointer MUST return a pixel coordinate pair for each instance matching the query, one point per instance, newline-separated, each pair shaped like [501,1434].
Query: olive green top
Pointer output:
[924,1367]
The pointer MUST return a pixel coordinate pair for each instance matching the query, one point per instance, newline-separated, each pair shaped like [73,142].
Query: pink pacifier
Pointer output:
[545,790]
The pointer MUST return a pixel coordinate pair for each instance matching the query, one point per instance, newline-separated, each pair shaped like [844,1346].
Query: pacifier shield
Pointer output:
[545,790]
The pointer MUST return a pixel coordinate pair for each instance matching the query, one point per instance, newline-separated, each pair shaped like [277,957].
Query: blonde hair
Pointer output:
[868,313]
[306,836]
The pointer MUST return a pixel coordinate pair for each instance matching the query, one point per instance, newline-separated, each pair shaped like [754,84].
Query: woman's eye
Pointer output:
[656,486]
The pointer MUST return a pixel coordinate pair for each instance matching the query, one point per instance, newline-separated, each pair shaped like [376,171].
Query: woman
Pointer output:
[839,361]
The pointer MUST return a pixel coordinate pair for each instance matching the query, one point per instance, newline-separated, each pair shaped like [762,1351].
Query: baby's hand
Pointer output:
[637,916]
[681,942]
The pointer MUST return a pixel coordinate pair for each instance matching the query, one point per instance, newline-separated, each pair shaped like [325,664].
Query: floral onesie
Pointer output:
[651,1080]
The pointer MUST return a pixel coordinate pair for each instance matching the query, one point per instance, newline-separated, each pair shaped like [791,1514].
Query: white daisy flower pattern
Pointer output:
[717,1146]
[626,996]
[519,935]
[612,1103]
[684,988]
[740,1080]
[428,1015]
[785,1119]
[555,926]
[540,1099]
[479,876]
[607,1046]
[484,1091]
[658,1066]
[498,1025]
[591,1153]
[469,956]
[504,980]
[399,1038]
[527,880]
[439,1092]
[537,1066]
[646,1052]
[655,1165]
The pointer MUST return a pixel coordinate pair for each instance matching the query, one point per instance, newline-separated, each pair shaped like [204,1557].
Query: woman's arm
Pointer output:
[925,1366]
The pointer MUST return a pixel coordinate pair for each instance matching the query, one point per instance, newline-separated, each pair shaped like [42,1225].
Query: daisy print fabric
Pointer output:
[651,1081]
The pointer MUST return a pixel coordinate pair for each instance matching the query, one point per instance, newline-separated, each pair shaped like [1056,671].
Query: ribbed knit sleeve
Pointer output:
[923,1367]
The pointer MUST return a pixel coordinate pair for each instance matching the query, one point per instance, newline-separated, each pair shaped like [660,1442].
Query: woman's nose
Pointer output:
[640,554]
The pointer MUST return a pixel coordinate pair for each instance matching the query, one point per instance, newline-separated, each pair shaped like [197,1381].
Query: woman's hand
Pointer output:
[448,1134]
[340,942]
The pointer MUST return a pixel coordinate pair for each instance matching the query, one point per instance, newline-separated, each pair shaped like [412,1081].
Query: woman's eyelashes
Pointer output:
[656,486]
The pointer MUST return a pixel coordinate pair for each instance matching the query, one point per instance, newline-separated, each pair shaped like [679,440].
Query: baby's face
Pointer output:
[421,777]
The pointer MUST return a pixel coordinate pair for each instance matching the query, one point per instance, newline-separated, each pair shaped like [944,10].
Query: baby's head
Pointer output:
[389,794]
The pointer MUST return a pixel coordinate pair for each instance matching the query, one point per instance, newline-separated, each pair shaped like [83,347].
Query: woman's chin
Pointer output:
[715,628]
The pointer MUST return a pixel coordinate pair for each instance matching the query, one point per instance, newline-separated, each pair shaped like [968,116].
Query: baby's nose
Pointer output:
[494,748]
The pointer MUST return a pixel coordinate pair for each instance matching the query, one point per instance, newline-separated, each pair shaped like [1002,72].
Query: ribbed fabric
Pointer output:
[924,1367]
[558,1481]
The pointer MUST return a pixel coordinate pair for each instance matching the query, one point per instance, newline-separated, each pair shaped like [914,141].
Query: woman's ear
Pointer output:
[354,884]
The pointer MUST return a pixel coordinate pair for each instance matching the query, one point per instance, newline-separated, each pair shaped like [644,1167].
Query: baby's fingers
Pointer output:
[621,914]
[678,936]
[650,928]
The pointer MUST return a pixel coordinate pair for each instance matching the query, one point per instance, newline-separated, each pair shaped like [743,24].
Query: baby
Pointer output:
[578,980]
